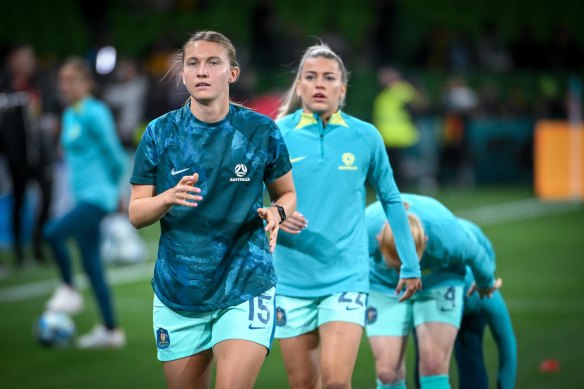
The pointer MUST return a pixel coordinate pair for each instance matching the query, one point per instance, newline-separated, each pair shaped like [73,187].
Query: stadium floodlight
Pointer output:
[106,60]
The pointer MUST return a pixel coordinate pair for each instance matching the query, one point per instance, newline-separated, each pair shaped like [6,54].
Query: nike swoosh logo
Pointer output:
[174,173]
[351,309]
[251,327]
[292,160]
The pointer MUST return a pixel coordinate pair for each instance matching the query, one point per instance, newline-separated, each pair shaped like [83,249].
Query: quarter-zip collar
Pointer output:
[307,119]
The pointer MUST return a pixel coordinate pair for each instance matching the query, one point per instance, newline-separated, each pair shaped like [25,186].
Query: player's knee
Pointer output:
[389,376]
[336,383]
[303,381]
[434,366]
[336,377]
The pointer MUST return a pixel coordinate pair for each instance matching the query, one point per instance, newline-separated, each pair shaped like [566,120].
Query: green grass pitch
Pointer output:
[540,257]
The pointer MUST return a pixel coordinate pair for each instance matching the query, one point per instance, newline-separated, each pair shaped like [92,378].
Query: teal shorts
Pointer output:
[296,316]
[388,317]
[182,334]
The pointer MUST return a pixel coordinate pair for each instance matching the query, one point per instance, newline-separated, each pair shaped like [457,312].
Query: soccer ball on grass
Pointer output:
[54,329]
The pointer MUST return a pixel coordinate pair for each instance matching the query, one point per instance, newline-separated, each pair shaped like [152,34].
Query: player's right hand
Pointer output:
[294,224]
[411,286]
[485,292]
[185,193]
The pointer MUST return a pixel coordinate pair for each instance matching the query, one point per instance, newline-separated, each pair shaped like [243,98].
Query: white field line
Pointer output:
[485,216]
[520,210]
[115,276]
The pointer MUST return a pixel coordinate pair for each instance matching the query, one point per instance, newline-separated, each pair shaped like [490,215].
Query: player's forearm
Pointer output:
[283,193]
[501,327]
[406,248]
[507,345]
[145,211]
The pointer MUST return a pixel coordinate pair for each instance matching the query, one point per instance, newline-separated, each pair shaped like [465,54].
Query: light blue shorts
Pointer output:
[179,335]
[388,317]
[296,316]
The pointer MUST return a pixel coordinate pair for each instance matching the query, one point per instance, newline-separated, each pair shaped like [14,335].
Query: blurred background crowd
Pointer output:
[465,81]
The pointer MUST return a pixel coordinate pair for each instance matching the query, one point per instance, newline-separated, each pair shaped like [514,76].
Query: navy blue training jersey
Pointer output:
[217,254]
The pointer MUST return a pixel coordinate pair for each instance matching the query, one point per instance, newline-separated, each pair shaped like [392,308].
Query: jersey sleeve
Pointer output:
[481,265]
[501,327]
[478,234]
[459,247]
[381,178]
[278,161]
[145,159]
[102,124]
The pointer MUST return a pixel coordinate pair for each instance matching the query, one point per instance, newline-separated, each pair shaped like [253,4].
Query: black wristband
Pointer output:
[281,212]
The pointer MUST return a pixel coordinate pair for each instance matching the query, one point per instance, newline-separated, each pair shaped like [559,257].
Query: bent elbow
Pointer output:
[135,223]
[134,220]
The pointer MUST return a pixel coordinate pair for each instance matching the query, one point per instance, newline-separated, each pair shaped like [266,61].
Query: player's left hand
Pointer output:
[294,224]
[411,285]
[485,292]
[272,218]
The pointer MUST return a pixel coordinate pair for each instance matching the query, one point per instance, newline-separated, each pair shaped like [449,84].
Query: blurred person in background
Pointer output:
[164,93]
[445,248]
[551,99]
[392,115]
[321,258]
[28,126]
[433,52]
[95,162]
[459,100]
[461,56]
[200,171]
[492,52]
[127,97]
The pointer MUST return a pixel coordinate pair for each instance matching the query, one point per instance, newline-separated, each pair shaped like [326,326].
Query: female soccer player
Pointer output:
[200,171]
[445,248]
[322,267]
[95,160]
[468,348]
[477,313]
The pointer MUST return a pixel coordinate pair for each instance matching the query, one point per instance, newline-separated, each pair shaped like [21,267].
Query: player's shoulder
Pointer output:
[93,106]
[471,227]
[361,126]
[246,113]
[362,130]
[249,122]
[431,211]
